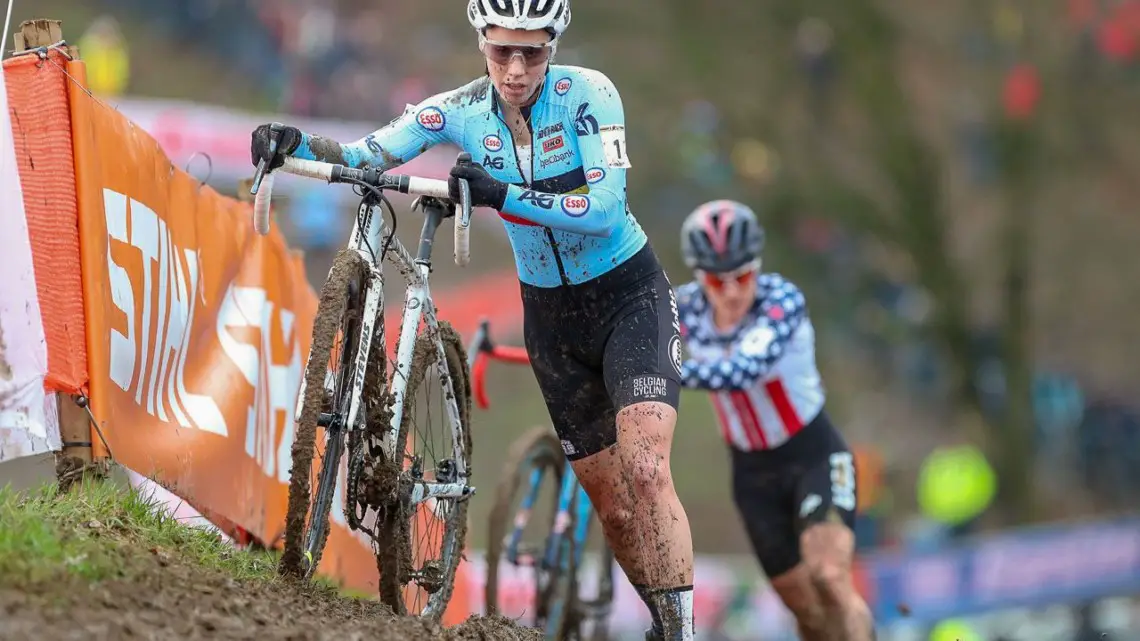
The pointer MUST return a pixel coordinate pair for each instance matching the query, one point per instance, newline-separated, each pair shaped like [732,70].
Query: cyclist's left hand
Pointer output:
[485,190]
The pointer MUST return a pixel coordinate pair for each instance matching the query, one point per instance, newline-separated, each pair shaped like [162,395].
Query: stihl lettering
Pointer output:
[168,294]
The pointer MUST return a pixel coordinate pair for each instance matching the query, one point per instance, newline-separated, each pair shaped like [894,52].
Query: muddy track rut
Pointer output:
[164,597]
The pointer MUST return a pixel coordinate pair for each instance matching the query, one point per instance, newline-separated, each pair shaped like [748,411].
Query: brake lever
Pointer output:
[275,130]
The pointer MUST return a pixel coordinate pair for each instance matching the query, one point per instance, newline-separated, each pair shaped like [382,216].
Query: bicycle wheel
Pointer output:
[425,542]
[332,358]
[533,456]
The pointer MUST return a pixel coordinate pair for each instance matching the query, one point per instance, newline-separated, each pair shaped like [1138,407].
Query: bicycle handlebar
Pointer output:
[263,190]
[482,351]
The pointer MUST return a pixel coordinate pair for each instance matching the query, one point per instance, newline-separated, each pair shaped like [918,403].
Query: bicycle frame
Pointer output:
[368,234]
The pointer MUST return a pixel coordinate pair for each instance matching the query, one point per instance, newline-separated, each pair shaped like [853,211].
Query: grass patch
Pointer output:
[99,530]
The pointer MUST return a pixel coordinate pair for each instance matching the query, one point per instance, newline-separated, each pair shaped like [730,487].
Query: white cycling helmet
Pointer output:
[551,15]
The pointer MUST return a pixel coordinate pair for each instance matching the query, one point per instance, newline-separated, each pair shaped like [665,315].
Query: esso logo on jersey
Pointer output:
[431,118]
[595,175]
[575,206]
[493,143]
[563,86]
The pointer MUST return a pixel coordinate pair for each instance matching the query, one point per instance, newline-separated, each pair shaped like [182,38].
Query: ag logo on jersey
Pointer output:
[562,87]
[431,118]
[575,206]
[595,175]
[493,143]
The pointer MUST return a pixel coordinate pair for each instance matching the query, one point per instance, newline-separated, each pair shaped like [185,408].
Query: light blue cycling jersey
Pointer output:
[566,214]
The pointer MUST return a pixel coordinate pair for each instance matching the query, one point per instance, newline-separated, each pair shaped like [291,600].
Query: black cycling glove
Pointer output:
[485,190]
[286,145]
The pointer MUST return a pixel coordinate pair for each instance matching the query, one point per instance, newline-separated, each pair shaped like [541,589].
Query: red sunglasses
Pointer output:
[741,275]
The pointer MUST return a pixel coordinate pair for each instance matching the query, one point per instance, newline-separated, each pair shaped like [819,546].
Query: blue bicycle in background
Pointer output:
[554,547]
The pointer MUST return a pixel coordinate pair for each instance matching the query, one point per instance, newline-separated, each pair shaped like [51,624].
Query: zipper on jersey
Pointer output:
[518,163]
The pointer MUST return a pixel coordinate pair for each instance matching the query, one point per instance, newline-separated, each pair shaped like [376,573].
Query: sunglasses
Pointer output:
[740,275]
[501,53]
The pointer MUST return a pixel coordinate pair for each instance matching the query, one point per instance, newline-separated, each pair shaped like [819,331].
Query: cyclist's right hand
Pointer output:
[290,138]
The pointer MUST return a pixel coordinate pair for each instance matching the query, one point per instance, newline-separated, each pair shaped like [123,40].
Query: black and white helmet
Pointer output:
[720,236]
[551,15]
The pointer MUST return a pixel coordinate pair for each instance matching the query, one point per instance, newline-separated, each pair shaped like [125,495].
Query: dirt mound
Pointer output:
[173,600]
[99,564]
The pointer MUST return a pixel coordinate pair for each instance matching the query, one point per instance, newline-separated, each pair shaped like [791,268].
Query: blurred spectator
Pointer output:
[873,502]
[814,48]
[956,484]
[976,139]
[1087,630]
[1022,92]
[1008,27]
[1109,446]
[954,630]
[317,223]
[104,51]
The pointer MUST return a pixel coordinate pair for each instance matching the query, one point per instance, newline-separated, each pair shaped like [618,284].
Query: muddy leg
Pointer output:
[631,486]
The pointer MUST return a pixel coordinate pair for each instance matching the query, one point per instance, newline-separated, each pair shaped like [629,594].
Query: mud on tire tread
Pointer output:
[395,560]
[347,265]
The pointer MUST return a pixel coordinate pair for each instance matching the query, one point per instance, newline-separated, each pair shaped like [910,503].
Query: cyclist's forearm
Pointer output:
[365,152]
[328,150]
[593,214]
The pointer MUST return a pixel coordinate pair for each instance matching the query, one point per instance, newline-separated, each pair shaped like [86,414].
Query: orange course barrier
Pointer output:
[196,328]
[37,98]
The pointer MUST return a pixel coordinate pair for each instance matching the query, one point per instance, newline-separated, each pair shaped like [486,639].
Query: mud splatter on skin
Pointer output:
[331,151]
[327,150]
[640,521]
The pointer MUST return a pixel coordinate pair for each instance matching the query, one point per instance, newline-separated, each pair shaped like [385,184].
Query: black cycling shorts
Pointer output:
[782,492]
[600,346]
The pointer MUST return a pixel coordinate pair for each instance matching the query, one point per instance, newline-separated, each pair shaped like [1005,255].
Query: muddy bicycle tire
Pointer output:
[395,558]
[539,446]
[338,311]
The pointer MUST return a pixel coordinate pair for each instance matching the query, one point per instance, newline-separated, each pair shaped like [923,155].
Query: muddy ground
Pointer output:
[168,598]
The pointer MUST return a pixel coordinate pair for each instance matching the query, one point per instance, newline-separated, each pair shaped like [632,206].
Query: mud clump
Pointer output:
[166,597]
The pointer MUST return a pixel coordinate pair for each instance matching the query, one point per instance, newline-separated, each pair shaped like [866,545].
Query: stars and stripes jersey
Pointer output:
[762,375]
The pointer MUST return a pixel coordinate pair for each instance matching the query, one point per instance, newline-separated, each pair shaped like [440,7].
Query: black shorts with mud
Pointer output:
[780,493]
[601,346]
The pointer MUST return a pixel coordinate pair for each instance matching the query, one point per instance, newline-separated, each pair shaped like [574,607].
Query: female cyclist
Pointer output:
[793,477]
[600,319]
